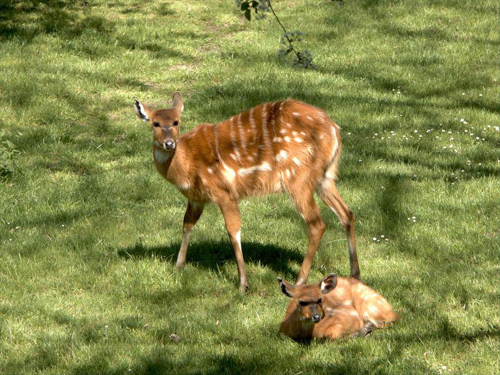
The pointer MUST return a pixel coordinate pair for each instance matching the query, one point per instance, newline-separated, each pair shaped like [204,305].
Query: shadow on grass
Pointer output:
[209,255]
[26,19]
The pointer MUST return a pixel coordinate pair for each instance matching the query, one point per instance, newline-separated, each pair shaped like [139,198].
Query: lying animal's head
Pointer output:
[309,297]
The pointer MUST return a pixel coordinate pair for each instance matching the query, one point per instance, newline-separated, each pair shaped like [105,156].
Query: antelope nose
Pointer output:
[316,318]
[169,145]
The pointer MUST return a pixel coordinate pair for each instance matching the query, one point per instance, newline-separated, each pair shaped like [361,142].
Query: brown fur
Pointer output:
[349,308]
[282,146]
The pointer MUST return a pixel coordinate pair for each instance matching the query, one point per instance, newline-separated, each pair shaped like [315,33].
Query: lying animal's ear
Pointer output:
[177,102]
[141,110]
[286,287]
[328,283]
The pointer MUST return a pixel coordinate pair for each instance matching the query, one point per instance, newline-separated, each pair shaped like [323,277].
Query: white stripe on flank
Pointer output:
[233,137]
[309,118]
[263,167]
[252,120]
[296,113]
[242,133]
[265,131]
[296,161]
[335,144]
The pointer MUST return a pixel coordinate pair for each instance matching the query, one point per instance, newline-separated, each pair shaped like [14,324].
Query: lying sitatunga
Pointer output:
[333,308]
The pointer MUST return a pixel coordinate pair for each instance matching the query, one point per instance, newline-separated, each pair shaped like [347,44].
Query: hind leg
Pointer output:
[330,195]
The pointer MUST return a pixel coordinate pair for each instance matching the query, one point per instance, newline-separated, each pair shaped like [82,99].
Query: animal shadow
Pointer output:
[209,254]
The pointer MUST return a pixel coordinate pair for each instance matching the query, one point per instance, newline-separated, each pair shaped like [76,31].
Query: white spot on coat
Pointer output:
[282,155]
[183,186]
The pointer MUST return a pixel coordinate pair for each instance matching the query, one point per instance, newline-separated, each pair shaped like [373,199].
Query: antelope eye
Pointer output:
[318,301]
[302,303]
[176,123]
[156,124]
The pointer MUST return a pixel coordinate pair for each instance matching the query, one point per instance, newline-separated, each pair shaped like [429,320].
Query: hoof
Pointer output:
[180,267]
[243,288]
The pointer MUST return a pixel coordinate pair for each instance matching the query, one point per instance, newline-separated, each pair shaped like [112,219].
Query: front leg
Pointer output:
[193,213]
[229,209]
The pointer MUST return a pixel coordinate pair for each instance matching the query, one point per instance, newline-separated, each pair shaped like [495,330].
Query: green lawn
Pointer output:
[89,230]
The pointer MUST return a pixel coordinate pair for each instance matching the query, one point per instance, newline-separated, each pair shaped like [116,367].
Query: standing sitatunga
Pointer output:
[282,146]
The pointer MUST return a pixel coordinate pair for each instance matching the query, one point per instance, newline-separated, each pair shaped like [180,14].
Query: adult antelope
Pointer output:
[282,146]
[333,308]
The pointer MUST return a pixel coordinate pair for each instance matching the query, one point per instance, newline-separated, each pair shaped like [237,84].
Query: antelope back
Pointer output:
[371,305]
[275,146]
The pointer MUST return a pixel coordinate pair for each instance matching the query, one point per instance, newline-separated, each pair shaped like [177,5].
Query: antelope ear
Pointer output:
[178,102]
[141,110]
[286,287]
[328,283]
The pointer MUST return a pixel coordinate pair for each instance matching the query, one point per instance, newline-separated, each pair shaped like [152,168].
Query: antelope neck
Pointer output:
[167,163]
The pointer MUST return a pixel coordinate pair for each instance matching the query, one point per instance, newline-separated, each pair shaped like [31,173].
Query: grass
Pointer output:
[89,231]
